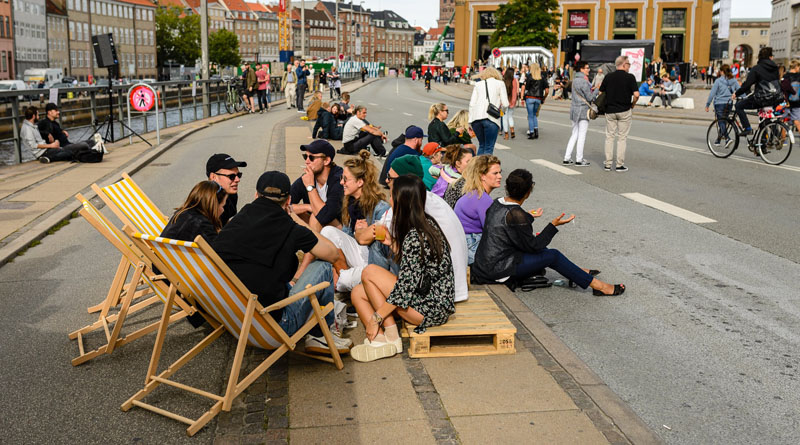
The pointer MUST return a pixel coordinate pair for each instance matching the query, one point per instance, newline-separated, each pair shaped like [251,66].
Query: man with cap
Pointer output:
[51,131]
[260,246]
[441,212]
[359,134]
[317,194]
[224,170]
[411,146]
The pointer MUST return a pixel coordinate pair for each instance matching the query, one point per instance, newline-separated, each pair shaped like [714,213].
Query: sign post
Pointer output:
[142,97]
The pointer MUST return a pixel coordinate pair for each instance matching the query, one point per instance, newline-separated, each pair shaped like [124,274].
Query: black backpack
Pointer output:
[89,156]
[768,93]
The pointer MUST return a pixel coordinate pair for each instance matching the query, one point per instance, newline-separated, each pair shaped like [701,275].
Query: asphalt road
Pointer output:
[703,345]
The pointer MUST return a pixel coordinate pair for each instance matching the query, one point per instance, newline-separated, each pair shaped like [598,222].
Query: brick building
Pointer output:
[6,42]
[57,35]
[322,39]
[394,38]
[267,32]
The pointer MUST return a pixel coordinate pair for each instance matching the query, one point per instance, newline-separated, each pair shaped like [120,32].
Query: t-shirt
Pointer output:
[351,129]
[451,227]
[619,87]
[261,77]
[471,211]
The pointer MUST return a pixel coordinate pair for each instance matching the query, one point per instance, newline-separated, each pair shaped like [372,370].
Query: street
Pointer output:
[702,345]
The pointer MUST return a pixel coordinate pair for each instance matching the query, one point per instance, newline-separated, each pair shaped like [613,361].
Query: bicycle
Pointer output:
[233,98]
[428,85]
[772,140]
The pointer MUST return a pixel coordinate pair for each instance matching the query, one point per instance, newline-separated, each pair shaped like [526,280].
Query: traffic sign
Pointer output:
[496,52]
[142,98]
[341,56]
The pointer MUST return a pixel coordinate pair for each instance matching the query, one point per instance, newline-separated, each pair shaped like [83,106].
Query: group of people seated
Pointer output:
[402,253]
[668,90]
[45,140]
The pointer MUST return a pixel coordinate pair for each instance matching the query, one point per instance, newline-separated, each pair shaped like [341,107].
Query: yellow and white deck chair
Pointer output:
[119,292]
[194,268]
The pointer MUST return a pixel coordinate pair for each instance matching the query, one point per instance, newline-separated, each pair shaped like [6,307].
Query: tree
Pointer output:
[527,23]
[177,38]
[223,48]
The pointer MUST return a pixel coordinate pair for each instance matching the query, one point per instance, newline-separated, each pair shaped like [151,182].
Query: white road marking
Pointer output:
[407,114]
[501,146]
[668,208]
[374,105]
[556,167]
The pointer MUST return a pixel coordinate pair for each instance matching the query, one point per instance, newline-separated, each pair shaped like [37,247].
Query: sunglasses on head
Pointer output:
[306,156]
[231,176]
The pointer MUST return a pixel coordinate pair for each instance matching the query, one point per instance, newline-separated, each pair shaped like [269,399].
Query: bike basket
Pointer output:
[727,112]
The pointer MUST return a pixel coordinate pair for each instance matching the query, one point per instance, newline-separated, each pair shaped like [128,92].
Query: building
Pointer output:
[6,42]
[267,32]
[322,35]
[30,39]
[446,10]
[57,50]
[356,33]
[394,38]
[794,46]
[218,15]
[431,38]
[747,36]
[680,29]
[781,28]
[245,23]
[419,42]
[297,34]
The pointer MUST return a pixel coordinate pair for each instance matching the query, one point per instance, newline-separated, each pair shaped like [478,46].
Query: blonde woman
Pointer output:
[437,129]
[461,120]
[536,90]
[491,91]
[482,176]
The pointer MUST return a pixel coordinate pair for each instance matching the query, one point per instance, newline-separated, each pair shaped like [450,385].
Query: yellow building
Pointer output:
[681,29]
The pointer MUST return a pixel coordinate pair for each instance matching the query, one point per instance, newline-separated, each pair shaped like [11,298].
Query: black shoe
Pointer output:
[530,135]
[622,168]
[536,133]
[44,160]
[567,162]
[582,164]
[607,168]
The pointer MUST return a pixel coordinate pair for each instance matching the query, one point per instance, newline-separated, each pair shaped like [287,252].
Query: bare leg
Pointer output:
[358,297]
[378,284]
[601,286]
[307,259]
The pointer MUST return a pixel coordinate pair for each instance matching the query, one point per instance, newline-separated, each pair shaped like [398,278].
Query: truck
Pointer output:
[33,76]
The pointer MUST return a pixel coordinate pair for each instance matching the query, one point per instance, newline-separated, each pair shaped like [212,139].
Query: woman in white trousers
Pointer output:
[582,96]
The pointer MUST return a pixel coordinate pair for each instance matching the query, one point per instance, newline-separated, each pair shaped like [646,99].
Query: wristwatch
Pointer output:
[377,318]
[309,188]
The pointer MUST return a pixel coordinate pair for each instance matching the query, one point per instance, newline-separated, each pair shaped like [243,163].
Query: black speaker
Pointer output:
[104,50]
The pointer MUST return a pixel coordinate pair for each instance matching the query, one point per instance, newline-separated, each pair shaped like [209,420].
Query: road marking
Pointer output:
[668,208]
[501,146]
[374,105]
[556,167]
[407,114]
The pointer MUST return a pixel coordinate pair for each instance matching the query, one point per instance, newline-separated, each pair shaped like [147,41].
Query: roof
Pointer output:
[256,7]
[171,3]
[140,3]
[390,20]
[313,14]
[56,7]
[331,7]
[236,5]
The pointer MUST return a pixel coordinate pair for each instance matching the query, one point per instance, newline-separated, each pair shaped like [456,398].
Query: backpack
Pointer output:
[768,93]
[89,156]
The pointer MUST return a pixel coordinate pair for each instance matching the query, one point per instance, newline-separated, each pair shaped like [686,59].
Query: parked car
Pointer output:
[11,85]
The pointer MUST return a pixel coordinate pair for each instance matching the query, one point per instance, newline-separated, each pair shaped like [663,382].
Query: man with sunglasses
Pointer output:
[224,170]
[317,194]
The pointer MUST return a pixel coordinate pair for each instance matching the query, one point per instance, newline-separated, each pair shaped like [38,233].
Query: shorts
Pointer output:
[250,93]
[794,113]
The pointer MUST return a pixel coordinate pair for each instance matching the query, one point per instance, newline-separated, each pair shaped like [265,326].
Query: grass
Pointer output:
[49,232]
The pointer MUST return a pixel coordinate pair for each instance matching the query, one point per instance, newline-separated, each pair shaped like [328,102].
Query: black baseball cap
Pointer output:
[50,106]
[273,184]
[414,132]
[320,146]
[219,161]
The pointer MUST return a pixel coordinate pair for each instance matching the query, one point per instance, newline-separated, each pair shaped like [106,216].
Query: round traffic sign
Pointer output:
[341,56]
[142,98]
[496,52]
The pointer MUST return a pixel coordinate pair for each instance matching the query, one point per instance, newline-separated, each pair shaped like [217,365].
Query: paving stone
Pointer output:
[277,434]
[278,422]
[529,428]
[254,418]
[252,439]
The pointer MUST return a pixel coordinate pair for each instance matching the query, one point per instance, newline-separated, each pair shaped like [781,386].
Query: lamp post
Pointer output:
[204,54]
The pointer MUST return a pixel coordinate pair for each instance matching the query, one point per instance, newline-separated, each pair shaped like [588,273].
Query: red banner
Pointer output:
[282,4]
[579,19]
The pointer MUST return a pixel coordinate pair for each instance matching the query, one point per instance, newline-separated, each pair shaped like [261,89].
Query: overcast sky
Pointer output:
[425,12]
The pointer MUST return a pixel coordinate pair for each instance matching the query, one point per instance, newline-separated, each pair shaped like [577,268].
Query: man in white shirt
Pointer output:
[33,143]
[359,134]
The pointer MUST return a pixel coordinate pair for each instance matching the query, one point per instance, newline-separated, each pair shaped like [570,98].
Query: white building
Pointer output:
[782,22]
[30,24]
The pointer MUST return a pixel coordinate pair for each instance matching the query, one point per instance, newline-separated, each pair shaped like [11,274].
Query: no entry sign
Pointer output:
[496,52]
[142,98]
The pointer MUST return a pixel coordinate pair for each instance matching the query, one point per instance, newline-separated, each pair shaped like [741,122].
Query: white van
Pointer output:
[11,85]
[33,76]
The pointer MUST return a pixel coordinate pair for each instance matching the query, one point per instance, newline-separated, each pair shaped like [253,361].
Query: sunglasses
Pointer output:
[306,156]
[231,176]
[391,178]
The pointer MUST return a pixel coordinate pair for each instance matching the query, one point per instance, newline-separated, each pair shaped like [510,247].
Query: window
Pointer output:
[4,61]
[625,18]
[745,32]
[764,32]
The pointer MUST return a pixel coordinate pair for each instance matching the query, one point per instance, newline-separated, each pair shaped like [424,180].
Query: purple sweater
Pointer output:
[471,211]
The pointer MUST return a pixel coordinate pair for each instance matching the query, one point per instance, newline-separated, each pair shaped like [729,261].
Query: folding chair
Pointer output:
[194,268]
[119,292]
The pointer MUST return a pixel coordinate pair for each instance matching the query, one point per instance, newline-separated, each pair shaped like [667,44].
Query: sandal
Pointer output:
[619,289]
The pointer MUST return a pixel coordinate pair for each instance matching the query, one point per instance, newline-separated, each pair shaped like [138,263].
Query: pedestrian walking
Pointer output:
[536,89]
[262,77]
[289,85]
[582,96]
[488,97]
[720,96]
[512,90]
[621,95]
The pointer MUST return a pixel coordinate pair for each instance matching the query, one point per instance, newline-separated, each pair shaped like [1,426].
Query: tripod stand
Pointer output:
[109,121]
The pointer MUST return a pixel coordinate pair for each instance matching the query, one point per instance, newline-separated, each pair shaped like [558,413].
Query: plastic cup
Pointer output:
[380,232]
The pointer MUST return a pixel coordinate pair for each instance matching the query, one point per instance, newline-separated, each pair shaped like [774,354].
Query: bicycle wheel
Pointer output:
[721,138]
[775,143]
[229,102]
[238,104]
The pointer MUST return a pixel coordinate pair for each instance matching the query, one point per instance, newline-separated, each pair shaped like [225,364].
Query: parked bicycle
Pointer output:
[233,98]
[772,140]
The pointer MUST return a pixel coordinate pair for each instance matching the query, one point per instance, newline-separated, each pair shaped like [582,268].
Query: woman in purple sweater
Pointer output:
[482,175]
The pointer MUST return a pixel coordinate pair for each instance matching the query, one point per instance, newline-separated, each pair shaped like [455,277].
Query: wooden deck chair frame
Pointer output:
[123,294]
[211,269]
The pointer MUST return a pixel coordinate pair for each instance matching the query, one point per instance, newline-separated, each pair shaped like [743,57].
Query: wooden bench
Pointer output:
[478,327]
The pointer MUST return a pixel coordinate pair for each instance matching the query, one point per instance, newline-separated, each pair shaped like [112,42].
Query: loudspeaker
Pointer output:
[104,50]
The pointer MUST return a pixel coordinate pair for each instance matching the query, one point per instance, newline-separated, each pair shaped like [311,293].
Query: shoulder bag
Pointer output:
[592,112]
[491,110]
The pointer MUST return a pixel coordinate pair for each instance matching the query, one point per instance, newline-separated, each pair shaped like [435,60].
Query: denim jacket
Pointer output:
[377,214]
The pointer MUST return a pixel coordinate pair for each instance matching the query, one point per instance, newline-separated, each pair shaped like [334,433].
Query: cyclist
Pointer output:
[765,70]
[428,76]
[720,96]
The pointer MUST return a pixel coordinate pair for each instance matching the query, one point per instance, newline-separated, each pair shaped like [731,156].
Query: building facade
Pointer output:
[747,36]
[7,64]
[446,10]
[267,32]
[394,38]
[356,33]
[322,35]
[30,37]
[680,29]
[782,24]
[419,43]
[57,35]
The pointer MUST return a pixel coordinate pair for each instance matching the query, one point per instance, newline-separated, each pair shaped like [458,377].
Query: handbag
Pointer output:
[591,113]
[491,110]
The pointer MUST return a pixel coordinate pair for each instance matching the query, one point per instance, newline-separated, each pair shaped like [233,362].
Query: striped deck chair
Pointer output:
[194,268]
[123,294]
[132,206]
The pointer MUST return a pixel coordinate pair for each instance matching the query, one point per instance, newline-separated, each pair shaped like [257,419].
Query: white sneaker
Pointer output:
[398,344]
[373,351]
[320,345]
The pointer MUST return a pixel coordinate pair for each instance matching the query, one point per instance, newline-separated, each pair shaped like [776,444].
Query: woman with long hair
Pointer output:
[199,214]
[461,120]
[422,293]
[536,90]
[720,96]
[491,91]
[437,129]
[483,175]
[512,88]
[455,160]
[510,252]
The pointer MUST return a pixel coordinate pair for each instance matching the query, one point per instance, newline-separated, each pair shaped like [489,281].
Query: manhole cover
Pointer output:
[10,205]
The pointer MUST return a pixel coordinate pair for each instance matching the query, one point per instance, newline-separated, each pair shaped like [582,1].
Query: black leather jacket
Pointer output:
[534,88]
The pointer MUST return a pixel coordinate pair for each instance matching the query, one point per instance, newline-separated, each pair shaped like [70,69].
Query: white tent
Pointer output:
[519,55]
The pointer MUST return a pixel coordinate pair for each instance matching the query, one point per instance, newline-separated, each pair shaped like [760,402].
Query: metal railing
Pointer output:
[85,109]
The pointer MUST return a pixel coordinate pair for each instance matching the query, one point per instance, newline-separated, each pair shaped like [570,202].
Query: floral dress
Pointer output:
[417,267]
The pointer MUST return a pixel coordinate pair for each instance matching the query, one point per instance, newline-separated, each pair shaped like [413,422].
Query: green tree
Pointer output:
[177,38]
[223,48]
[527,23]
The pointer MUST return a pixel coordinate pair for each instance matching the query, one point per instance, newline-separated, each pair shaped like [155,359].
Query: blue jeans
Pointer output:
[381,255]
[552,258]
[719,110]
[533,107]
[297,314]
[486,131]
[473,239]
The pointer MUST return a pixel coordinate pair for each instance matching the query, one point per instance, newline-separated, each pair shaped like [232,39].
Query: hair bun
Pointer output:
[364,155]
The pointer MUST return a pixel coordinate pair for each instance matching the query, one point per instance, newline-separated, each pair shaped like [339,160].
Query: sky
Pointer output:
[425,12]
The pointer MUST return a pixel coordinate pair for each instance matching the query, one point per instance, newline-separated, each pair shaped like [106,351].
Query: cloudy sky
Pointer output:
[425,12]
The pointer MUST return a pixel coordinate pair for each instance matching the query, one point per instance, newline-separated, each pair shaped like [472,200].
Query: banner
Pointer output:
[724,30]
[636,58]
[579,19]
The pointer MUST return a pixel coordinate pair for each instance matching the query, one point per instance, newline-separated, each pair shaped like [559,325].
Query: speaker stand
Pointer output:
[109,121]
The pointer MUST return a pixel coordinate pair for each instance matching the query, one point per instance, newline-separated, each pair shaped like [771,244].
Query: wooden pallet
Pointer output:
[478,327]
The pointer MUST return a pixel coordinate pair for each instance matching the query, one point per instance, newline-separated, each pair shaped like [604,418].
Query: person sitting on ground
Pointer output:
[430,149]
[224,170]
[646,88]
[422,293]
[51,131]
[324,119]
[461,120]
[317,194]
[411,146]
[260,247]
[314,106]
[437,129]
[33,143]
[663,93]
[345,108]
[510,252]
[199,214]
[455,161]
[359,134]
[485,176]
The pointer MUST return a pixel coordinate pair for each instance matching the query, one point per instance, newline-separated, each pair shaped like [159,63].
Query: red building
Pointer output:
[6,42]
